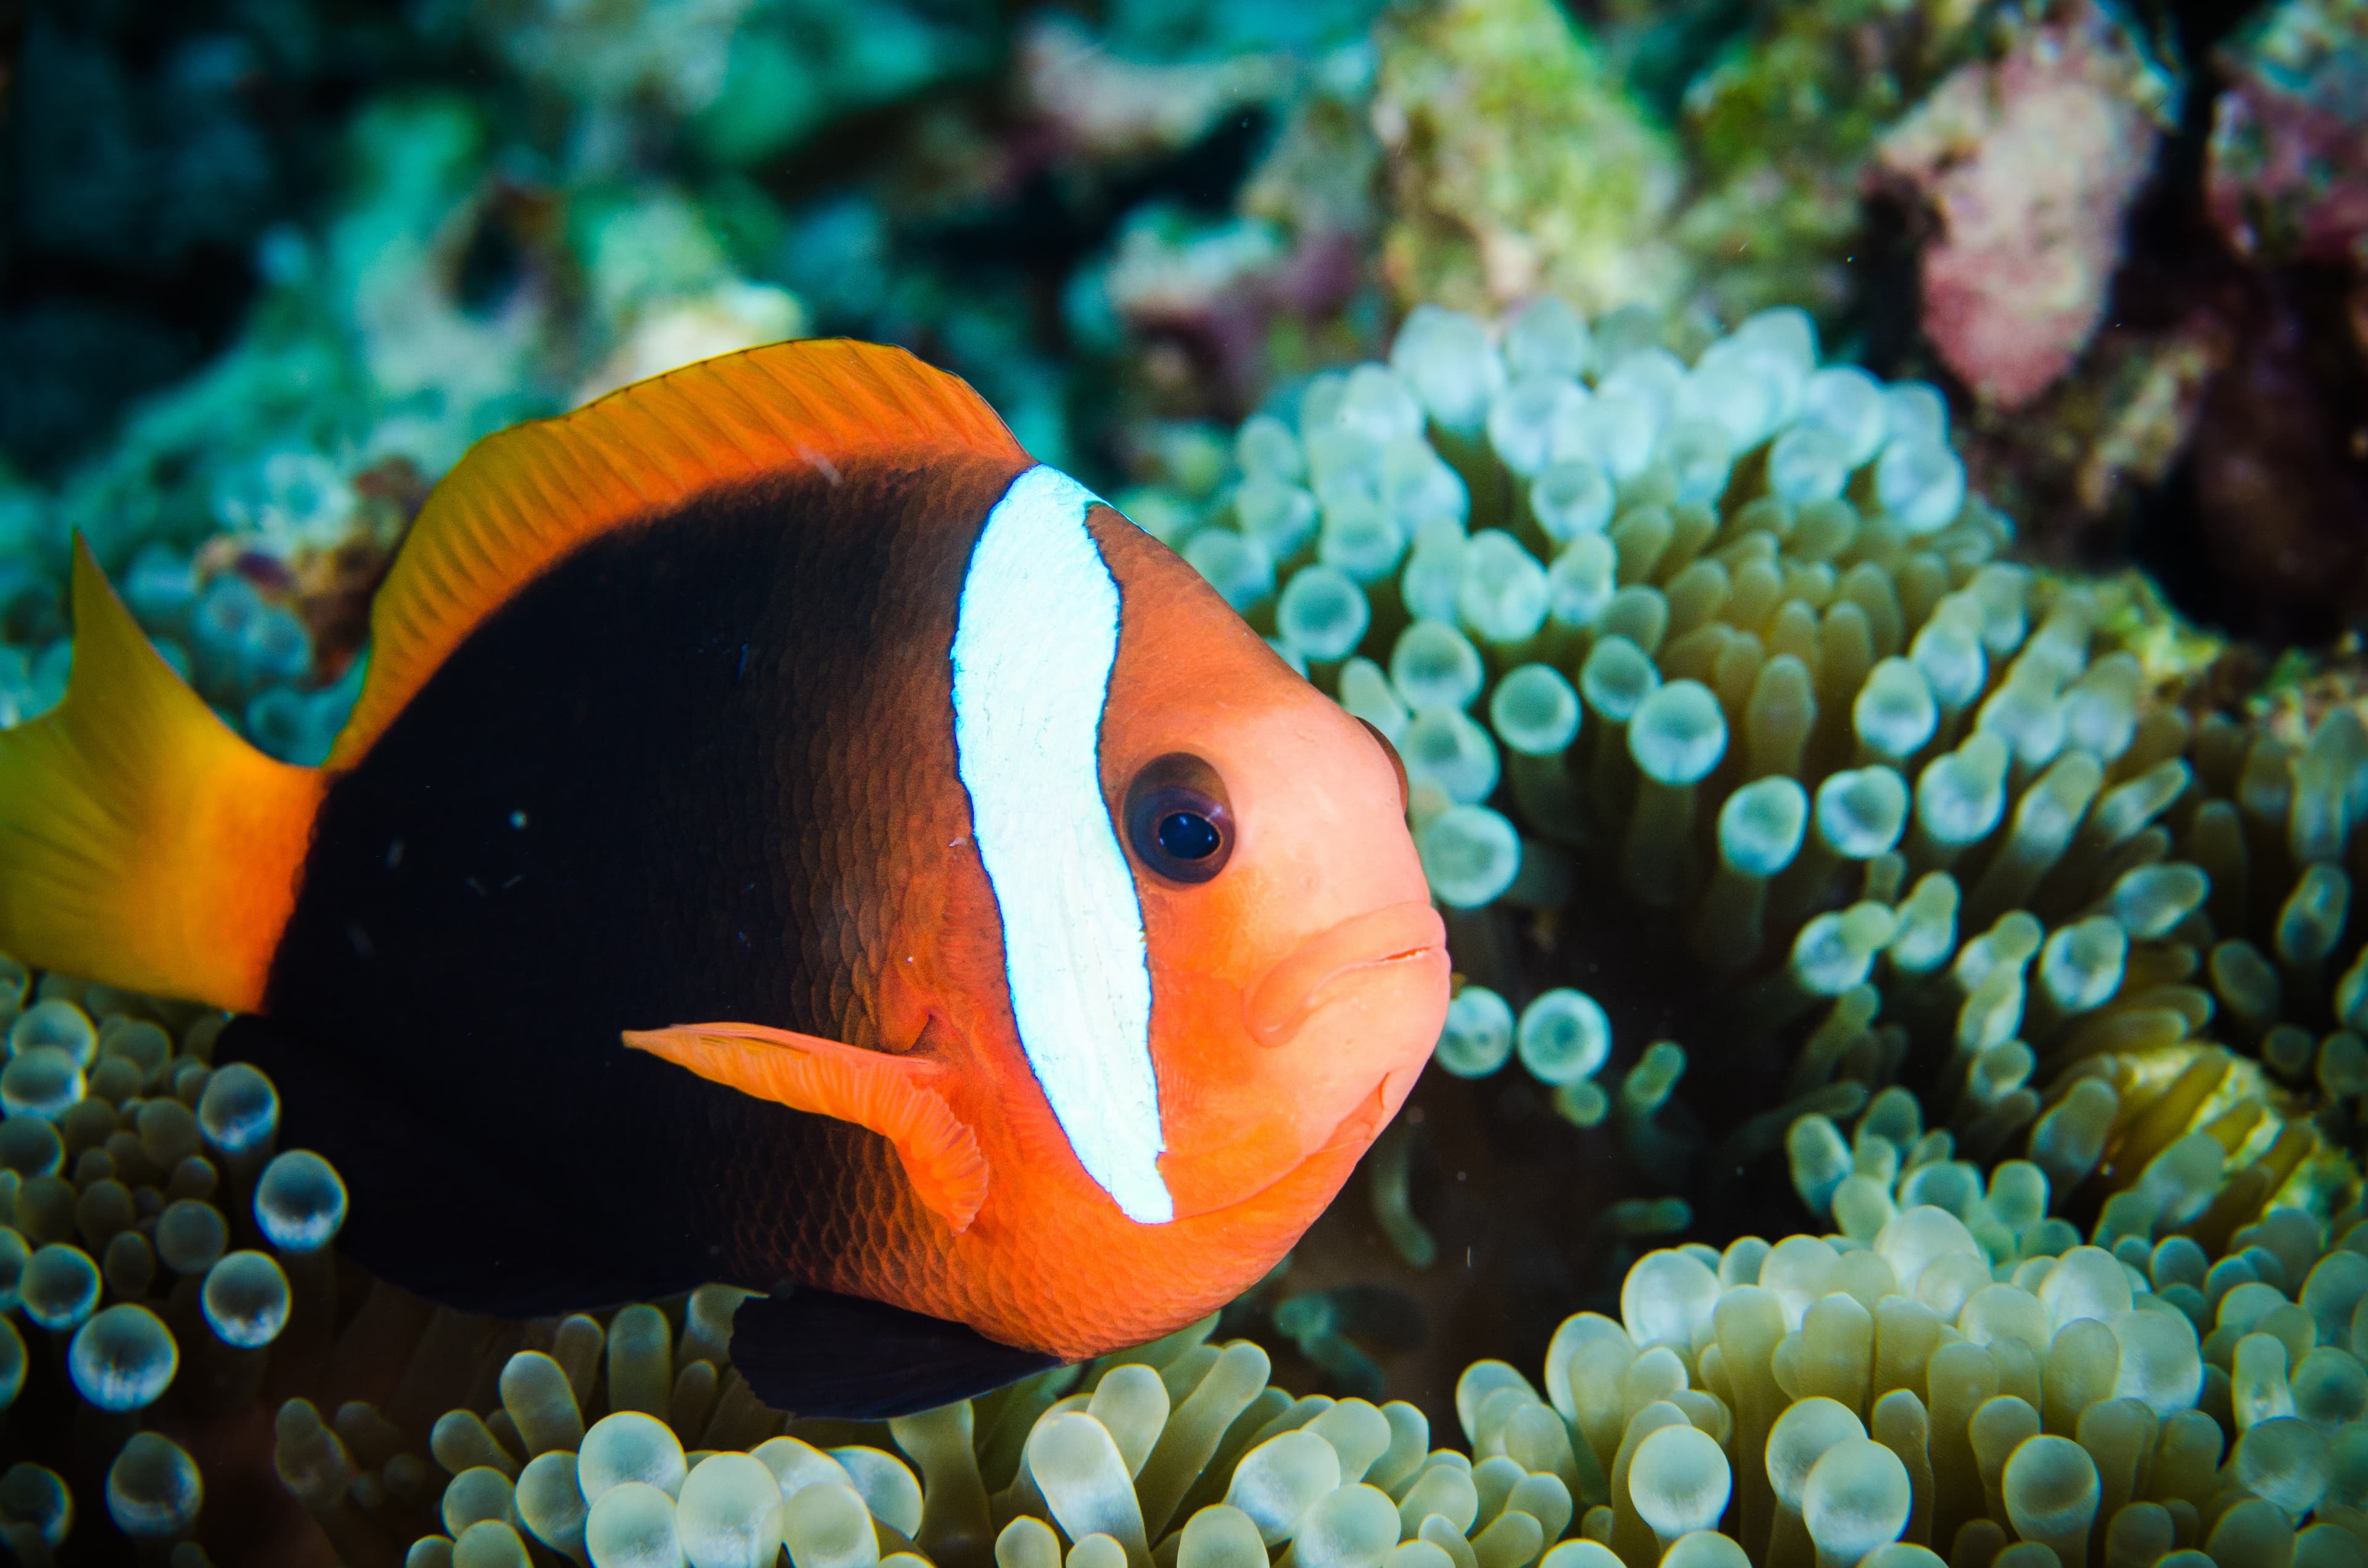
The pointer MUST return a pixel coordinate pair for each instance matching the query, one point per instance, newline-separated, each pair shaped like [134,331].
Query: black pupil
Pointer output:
[1187,835]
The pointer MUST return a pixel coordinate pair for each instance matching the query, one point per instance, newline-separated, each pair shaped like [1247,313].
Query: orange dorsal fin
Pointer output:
[523,498]
[893,1096]
[141,842]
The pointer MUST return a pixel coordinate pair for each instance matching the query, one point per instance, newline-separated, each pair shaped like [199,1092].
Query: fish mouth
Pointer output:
[1363,1124]
[1288,993]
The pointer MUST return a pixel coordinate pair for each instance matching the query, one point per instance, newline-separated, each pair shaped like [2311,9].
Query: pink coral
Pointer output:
[2031,163]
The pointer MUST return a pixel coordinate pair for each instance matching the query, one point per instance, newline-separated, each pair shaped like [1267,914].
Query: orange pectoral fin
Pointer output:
[887,1095]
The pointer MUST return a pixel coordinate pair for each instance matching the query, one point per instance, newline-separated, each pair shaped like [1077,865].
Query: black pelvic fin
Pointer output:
[815,1353]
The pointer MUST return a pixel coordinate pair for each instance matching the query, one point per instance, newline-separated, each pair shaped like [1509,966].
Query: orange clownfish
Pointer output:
[787,836]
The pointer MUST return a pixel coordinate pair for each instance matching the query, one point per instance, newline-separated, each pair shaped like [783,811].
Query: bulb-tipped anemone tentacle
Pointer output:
[1946,1386]
[161,1260]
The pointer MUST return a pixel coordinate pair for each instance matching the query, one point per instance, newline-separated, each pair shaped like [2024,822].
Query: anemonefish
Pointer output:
[789,838]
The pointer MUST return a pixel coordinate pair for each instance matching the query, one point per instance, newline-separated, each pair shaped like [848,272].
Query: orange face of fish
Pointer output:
[1298,989]
[1291,972]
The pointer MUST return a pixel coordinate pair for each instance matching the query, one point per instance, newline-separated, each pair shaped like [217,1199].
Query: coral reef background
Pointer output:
[1856,514]
[267,267]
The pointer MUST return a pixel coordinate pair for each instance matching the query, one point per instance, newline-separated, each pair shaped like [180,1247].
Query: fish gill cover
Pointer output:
[1708,439]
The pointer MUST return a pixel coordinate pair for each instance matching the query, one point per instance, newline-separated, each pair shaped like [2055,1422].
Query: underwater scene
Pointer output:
[1133,784]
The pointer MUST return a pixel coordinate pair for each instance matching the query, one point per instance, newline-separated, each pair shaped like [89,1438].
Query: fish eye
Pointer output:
[1406,792]
[1178,819]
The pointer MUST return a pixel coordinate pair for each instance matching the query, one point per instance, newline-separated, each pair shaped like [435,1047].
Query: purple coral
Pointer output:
[2287,178]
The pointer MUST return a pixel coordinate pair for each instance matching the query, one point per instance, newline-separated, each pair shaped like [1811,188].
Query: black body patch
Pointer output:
[630,799]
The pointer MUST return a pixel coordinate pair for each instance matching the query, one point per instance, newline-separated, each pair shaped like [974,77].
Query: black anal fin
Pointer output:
[816,1353]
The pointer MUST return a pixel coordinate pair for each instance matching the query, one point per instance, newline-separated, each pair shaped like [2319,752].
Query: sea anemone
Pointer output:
[1821,1398]
[1720,667]
[132,1171]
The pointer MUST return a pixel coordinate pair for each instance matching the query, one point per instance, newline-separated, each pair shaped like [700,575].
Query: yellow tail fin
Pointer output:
[141,842]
